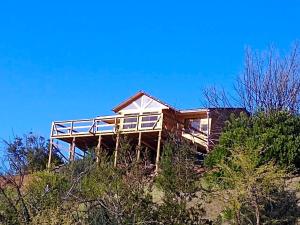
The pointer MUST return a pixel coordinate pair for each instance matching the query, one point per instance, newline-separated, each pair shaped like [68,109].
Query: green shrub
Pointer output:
[276,135]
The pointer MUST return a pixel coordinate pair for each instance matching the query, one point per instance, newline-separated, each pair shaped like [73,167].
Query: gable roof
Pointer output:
[137,96]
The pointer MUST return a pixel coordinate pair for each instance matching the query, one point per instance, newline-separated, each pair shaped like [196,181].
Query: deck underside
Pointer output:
[108,141]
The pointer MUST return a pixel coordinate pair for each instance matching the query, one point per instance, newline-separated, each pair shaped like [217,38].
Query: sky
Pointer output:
[78,59]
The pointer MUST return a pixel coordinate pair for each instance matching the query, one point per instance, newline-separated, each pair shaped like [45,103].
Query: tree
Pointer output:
[252,193]
[276,135]
[177,174]
[179,183]
[269,82]
[23,156]
[29,153]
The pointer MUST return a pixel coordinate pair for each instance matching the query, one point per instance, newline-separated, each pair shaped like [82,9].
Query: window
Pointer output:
[130,122]
[148,121]
[204,128]
[194,126]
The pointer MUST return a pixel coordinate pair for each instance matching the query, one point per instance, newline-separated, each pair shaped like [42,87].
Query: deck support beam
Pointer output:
[72,150]
[158,152]
[98,149]
[208,132]
[50,153]
[139,147]
[116,149]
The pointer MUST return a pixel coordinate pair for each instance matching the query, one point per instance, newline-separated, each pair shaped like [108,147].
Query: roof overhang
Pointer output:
[193,112]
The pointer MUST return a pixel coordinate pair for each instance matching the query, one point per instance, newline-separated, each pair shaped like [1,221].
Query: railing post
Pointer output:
[55,129]
[52,128]
[72,125]
[98,123]
[138,122]
[115,128]
[95,126]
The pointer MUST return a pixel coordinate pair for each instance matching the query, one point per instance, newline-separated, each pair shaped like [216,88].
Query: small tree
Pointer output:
[177,174]
[29,153]
[248,190]
[179,183]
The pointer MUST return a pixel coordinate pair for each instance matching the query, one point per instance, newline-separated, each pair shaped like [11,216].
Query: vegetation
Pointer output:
[269,82]
[179,183]
[29,154]
[250,165]
[252,193]
[276,136]
[86,192]
[247,171]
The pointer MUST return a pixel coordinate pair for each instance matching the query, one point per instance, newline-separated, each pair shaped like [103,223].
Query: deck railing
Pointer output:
[107,125]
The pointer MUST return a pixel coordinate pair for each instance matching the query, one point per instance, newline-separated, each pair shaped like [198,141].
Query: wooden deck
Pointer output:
[105,131]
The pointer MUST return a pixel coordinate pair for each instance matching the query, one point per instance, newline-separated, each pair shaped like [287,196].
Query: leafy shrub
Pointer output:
[276,135]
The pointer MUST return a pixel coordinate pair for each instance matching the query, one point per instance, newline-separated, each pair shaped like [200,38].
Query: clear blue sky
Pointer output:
[67,60]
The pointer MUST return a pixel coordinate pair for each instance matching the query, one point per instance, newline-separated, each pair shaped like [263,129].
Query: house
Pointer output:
[147,121]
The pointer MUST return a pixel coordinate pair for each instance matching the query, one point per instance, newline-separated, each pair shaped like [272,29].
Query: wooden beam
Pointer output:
[50,153]
[116,149]
[208,131]
[105,145]
[148,145]
[59,152]
[60,125]
[158,152]
[139,147]
[98,149]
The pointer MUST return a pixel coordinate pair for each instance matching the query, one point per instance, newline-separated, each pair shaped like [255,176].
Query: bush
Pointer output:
[275,135]
[252,194]
[29,153]
[180,183]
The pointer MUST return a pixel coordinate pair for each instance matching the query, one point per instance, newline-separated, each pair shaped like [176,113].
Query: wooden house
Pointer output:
[147,121]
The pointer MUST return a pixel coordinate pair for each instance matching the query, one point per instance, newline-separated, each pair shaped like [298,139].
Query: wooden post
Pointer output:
[72,150]
[139,147]
[116,149]
[50,153]
[98,149]
[158,151]
[208,131]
